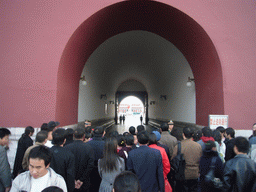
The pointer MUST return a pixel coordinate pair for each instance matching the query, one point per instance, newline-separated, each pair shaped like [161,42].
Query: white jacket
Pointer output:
[23,181]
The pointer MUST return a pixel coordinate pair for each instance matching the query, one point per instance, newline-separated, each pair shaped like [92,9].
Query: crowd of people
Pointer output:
[86,159]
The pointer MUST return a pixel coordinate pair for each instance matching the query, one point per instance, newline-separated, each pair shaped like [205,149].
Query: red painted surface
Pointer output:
[157,18]
[39,81]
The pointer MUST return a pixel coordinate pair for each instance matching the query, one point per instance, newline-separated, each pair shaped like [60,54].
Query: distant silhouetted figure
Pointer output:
[123,119]
[141,119]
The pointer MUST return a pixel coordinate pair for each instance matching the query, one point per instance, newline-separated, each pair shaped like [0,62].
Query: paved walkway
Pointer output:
[129,121]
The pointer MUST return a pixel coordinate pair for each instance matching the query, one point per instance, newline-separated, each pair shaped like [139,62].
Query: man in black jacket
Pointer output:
[63,161]
[97,143]
[24,142]
[84,160]
[230,135]
[240,172]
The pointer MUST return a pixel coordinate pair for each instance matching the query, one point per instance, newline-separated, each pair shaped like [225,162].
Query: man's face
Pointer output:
[4,141]
[170,126]
[37,168]
[87,124]
[254,128]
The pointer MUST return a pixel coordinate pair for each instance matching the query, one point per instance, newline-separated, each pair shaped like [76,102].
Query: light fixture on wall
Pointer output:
[82,79]
[163,97]
[103,96]
[189,82]
[111,102]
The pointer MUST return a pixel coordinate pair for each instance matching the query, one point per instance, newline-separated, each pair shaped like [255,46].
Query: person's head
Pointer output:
[217,135]
[241,145]
[197,135]
[187,133]
[52,189]
[152,139]
[29,131]
[50,127]
[79,133]
[143,137]
[120,140]
[126,133]
[126,182]
[98,131]
[230,133]
[140,128]
[221,130]
[44,127]
[132,130]
[4,136]
[87,123]
[207,132]
[69,134]
[39,161]
[254,129]
[171,125]
[129,139]
[158,135]
[210,145]
[58,137]
[113,134]
[41,137]
[164,127]
[88,129]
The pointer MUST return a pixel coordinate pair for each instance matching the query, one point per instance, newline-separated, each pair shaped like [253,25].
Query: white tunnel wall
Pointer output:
[147,58]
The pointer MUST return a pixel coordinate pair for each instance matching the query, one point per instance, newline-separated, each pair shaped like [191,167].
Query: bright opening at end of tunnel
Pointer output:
[130,111]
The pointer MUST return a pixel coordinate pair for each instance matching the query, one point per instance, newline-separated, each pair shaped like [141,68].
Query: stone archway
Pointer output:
[170,23]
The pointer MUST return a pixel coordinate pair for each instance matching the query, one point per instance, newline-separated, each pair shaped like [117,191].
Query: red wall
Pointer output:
[39,80]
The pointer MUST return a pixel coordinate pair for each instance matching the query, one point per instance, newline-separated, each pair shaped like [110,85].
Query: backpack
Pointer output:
[178,164]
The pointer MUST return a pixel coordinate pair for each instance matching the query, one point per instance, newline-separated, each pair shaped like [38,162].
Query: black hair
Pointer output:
[52,189]
[79,133]
[221,129]
[217,136]
[44,127]
[143,137]
[58,136]
[98,131]
[69,133]
[4,132]
[140,128]
[188,132]
[127,182]
[41,152]
[230,131]
[132,130]
[113,134]
[164,126]
[242,144]
[129,140]
[152,139]
[126,133]
[207,132]
[120,140]
[41,136]
[197,135]
[209,145]
[110,159]
[29,130]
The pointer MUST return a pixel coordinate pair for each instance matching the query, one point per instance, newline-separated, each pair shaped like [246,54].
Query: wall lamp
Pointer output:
[189,82]
[111,102]
[103,96]
[82,79]
[152,102]
[163,97]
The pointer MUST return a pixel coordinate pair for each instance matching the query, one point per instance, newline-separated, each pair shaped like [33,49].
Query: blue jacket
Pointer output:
[146,163]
